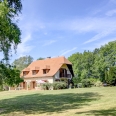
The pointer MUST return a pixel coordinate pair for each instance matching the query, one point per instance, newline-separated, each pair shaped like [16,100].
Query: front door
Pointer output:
[33,84]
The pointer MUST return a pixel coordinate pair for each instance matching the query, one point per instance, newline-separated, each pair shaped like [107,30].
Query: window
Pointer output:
[45,71]
[25,73]
[34,72]
[63,72]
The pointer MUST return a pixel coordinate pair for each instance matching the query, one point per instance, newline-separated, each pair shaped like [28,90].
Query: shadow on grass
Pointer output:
[49,103]
[108,112]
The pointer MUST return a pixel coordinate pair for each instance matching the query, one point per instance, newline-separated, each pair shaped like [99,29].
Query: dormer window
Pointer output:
[25,73]
[34,72]
[45,71]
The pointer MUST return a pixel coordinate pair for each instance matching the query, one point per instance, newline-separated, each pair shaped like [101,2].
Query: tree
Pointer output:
[76,80]
[10,36]
[40,58]
[95,64]
[13,78]
[9,31]
[9,75]
[22,62]
[111,76]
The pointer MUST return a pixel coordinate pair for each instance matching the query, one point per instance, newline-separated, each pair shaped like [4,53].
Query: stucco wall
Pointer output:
[57,75]
[49,79]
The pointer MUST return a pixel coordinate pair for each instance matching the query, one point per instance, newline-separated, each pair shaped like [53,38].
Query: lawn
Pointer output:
[94,101]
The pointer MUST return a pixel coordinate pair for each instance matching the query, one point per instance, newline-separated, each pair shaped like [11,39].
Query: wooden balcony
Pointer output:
[65,76]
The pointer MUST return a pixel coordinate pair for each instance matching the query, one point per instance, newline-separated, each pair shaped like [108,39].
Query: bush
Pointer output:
[46,86]
[86,83]
[80,85]
[98,84]
[93,81]
[59,85]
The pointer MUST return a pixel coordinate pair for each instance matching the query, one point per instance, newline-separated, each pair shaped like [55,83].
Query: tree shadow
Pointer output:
[47,103]
[108,112]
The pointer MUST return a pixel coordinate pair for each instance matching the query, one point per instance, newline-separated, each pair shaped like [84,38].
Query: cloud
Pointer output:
[101,43]
[111,12]
[83,25]
[49,42]
[98,44]
[100,27]
[97,37]
[24,47]
[67,51]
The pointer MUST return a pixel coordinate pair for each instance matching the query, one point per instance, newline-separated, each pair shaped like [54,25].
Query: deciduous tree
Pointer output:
[22,62]
[9,31]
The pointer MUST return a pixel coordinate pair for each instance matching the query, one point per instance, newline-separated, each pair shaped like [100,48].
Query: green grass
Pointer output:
[71,102]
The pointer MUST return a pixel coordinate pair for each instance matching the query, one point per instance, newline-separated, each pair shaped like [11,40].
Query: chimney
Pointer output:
[48,57]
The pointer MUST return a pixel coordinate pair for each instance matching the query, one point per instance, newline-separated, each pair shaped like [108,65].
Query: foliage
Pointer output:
[9,31]
[22,62]
[9,76]
[98,84]
[65,80]
[40,58]
[59,85]
[96,64]
[111,76]
[14,77]
[86,83]
[55,85]
[80,85]
[76,80]
[93,81]
[47,86]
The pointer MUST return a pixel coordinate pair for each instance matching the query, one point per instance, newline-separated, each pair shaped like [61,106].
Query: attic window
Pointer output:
[34,72]
[45,71]
[25,73]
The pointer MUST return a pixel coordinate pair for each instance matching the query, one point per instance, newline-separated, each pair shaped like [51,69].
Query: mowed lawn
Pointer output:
[95,101]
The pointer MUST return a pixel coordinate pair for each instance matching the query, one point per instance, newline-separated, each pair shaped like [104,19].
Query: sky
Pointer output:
[52,28]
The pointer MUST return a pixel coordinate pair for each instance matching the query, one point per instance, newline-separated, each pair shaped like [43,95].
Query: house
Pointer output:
[47,70]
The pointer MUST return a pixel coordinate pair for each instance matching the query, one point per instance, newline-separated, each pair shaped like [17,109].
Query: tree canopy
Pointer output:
[22,62]
[40,58]
[10,36]
[9,76]
[98,64]
[9,31]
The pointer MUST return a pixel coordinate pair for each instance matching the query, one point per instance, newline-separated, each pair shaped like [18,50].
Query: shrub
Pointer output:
[80,85]
[93,81]
[98,84]
[64,80]
[76,80]
[59,85]
[46,86]
[86,83]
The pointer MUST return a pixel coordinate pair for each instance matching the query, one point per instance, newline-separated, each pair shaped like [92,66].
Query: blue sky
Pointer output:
[63,27]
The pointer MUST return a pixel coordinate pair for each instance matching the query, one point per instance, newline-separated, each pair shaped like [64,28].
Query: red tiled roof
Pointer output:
[53,64]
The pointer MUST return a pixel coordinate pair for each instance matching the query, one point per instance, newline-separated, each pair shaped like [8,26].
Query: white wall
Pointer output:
[57,75]
[49,79]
